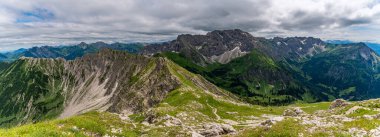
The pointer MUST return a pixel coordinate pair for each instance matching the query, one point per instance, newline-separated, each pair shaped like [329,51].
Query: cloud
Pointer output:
[40,22]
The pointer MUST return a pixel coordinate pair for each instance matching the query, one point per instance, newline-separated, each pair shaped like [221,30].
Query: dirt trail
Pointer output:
[214,111]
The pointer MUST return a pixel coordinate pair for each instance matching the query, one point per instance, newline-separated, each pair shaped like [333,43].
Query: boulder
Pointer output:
[267,123]
[338,103]
[377,116]
[228,128]
[214,129]
[171,121]
[195,134]
[375,132]
[293,112]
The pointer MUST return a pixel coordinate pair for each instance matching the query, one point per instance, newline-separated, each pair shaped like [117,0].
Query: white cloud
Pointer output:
[41,22]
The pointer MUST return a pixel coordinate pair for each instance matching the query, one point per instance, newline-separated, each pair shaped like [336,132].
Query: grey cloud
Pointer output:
[349,22]
[305,21]
[153,20]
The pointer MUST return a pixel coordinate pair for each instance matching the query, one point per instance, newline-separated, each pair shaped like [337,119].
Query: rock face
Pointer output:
[297,47]
[338,103]
[225,45]
[116,81]
[219,46]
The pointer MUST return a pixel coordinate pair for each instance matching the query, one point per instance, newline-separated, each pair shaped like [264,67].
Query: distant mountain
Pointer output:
[374,46]
[69,52]
[2,56]
[339,41]
[216,46]
[278,70]
[347,71]
[224,46]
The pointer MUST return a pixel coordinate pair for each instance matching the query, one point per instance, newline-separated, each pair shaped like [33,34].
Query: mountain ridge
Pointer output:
[102,81]
[251,86]
[69,52]
[297,57]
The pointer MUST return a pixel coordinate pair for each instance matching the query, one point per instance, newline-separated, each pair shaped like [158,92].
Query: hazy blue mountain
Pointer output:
[69,52]
[2,56]
[374,46]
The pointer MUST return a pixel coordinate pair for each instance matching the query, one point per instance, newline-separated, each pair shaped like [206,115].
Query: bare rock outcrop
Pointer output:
[214,129]
[293,112]
[338,103]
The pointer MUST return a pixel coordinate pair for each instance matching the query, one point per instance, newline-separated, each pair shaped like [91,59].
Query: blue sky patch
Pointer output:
[36,15]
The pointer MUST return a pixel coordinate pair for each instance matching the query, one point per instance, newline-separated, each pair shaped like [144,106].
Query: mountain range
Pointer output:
[261,71]
[196,85]
[372,45]
[278,70]
[67,52]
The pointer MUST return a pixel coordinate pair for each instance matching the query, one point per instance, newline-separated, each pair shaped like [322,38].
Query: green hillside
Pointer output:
[342,71]
[29,93]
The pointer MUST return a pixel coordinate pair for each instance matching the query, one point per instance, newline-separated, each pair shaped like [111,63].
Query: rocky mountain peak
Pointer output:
[297,48]
[83,45]
[99,44]
[228,34]
[224,45]
[219,45]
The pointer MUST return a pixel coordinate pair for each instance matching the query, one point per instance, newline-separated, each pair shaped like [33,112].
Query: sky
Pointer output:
[26,23]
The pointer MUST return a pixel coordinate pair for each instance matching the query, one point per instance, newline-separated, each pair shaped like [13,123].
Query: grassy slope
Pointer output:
[255,77]
[293,126]
[33,93]
[104,123]
[4,65]
[95,123]
[89,124]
